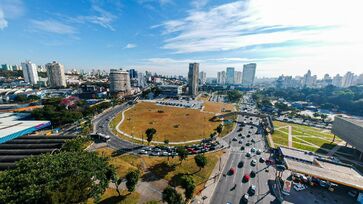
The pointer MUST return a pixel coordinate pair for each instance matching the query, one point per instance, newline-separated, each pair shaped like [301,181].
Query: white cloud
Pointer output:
[10,9]
[130,45]
[3,21]
[104,18]
[198,3]
[53,26]
[248,23]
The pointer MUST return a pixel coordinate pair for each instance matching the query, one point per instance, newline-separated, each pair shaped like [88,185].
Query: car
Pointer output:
[248,136]
[231,171]
[246,178]
[248,144]
[245,198]
[243,137]
[234,139]
[240,129]
[252,190]
[258,152]
[165,154]
[248,154]
[240,142]
[143,151]
[242,148]
[240,164]
[253,162]
[253,140]
[239,135]
[155,153]
[253,150]
[252,174]
[262,160]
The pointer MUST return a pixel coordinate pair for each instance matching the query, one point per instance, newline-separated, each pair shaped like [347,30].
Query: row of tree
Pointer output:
[348,99]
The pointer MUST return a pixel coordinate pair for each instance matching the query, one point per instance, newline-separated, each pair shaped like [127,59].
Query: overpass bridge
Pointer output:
[266,119]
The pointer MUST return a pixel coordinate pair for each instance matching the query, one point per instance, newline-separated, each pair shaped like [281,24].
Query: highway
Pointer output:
[101,125]
[225,191]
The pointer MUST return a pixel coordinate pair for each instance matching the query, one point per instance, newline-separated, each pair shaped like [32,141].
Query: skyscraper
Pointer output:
[230,75]
[30,73]
[120,82]
[193,79]
[248,75]
[221,77]
[337,81]
[237,77]
[56,77]
[202,77]
[133,74]
[347,80]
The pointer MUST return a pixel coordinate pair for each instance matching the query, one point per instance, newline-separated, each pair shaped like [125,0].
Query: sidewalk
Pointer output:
[210,186]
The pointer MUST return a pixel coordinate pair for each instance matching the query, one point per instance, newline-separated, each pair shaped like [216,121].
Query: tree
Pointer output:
[213,134]
[131,180]
[219,128]
[150,134]
[66,177]
[201,161]
[187,182]
[182,153]
[166,142]
[74,145]
[171,196]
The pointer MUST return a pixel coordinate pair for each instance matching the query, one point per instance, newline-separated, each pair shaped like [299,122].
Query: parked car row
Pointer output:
[172,151]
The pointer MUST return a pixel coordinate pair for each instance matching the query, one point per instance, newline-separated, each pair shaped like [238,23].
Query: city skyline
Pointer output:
[163,36]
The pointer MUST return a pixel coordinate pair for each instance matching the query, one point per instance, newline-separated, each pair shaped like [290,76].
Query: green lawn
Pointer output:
[316,136]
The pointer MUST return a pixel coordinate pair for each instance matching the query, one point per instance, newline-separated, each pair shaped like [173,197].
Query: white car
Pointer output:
[143,151]
[253,150]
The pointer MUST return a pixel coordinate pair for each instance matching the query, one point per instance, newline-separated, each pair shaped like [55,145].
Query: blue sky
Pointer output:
[281,36]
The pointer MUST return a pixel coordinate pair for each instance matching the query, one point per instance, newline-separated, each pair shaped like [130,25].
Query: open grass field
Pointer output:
[174,124]
[217,107]
[304,137]
[161,168]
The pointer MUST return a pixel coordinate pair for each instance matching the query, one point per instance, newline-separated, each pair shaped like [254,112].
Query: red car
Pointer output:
[246,178]
[232,171]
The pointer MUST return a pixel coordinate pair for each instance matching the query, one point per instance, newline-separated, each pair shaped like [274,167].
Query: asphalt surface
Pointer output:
[101,125]
[230,188]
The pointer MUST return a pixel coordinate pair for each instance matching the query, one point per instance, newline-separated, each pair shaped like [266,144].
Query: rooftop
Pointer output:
[322,167]
[11,126]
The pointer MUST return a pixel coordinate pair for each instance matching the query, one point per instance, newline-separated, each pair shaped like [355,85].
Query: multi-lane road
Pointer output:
[102,126]
[231,188]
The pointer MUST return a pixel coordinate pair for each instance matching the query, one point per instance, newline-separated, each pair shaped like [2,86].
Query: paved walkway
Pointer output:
[206,194]
[270,141]
[290,136]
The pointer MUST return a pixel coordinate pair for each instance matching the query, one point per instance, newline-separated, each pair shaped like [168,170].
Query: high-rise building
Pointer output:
[202,77]
[337,81]
[193,79]
[120,82]
[360,79]
[41,68]
[6,67]
[237,77]
[56,77]
[347,80]
[230,75]
[16,67]
[221,78]
[141,80]
[132,73]
[30,73]
[248,75]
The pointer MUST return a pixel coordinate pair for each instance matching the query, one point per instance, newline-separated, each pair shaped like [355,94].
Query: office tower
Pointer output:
[337,81]
[347,80]
[193,79]
[30,73]
[202,77]
[248,75]
[237,77]
[221,77]
[119,82]
[230,75]
[133,73]
[41,68]
[56,77]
